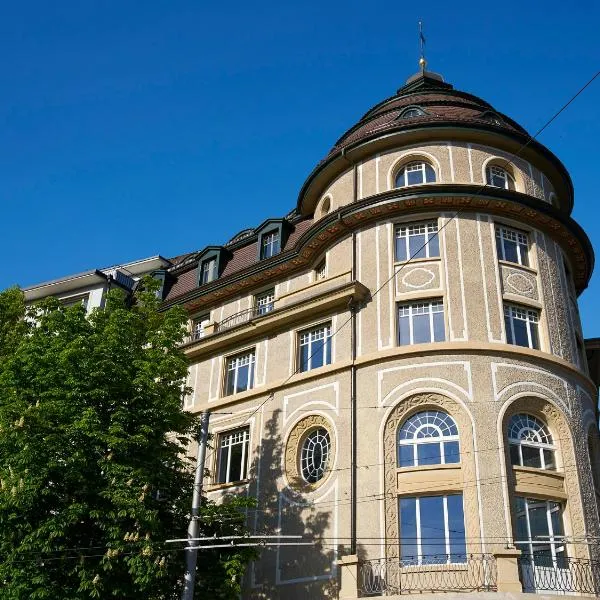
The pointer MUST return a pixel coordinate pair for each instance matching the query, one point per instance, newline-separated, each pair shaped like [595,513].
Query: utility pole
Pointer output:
[191,552]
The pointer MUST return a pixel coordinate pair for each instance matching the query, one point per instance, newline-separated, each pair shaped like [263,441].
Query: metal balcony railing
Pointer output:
[243,317]
[559,575]
[435,574]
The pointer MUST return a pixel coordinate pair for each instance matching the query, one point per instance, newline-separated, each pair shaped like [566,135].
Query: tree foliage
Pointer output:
[94,475]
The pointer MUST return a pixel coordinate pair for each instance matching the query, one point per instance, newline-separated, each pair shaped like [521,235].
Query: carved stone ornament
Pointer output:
[399,414]
[520,283]
[293,451]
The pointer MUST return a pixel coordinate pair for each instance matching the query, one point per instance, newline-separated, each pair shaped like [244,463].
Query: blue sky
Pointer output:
[129,129]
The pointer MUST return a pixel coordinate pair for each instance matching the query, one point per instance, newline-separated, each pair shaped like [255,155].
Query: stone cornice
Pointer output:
[397,203]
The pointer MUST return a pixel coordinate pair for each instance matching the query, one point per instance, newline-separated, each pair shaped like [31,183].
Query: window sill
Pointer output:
[217,487]
[551,472]
[513,265]
[448,466]
[416,261]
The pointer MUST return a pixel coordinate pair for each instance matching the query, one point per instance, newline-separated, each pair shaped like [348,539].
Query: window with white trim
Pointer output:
[208,270]
[530,443]
[314,456]
[314,347]
[539,531]
[321,270]
[498,177]
[432,530]
[79,300]
[421,322]
[417,240]
[415,173]
[198,325]
[512,245]
[240,373]
[522,326]
[428,438]
[264,302]
[233,455]
[270,244]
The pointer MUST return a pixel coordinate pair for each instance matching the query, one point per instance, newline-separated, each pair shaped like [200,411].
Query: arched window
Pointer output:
[531,444]
[415,173]
[498,177]
[315,455]
[428,438]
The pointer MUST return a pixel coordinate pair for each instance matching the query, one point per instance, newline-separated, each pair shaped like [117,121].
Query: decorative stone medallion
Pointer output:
[418,278]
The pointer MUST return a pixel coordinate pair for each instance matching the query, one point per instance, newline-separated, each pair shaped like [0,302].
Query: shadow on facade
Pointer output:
[291,572]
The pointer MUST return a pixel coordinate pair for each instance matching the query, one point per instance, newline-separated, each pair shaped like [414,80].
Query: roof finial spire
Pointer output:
[422,61]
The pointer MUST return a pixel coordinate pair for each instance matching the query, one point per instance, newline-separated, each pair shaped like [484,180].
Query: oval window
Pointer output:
[315,455]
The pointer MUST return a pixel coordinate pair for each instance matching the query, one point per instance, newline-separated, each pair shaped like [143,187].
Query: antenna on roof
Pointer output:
[422,61]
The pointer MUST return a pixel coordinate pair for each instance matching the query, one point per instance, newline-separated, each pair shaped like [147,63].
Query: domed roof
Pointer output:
[436,101]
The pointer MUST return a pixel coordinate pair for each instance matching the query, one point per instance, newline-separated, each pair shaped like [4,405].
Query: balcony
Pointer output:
[560,575]
[439,574]
[317,299]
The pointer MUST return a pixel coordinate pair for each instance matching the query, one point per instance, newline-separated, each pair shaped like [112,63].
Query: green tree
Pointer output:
[94,475]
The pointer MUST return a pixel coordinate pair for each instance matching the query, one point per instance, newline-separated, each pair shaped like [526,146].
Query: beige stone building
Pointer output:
[397,370]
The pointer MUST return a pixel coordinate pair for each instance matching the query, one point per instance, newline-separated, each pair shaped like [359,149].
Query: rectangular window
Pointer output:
[540,530]
[315,347]
[521,326]
[209,270]
[512,245]
[240,373]
[80,299]
[233,455]
[421,322]
[270,244]
[419,240]
[432,530]
[265,302]
[198,324]
[321,270]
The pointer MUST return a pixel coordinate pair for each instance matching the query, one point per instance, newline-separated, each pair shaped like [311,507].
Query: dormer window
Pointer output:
[209,270]
[412,113]
[492,118]
[270,245]
[415,173]
[499,177]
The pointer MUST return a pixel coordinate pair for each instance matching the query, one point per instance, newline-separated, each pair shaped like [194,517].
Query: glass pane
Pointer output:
[538,521]
[515,456]
[317,358]
[524,257]
[510,251]
[401,249]
[251,375]
[406,456]
[403,331]
[535,342]
[520,328]
[439,335]
[549,459]
[416,246]
[434,244]
[235,467]
[230,381]
[509,335]
[328,351]
[242,379]
[245,465]
[414,177]
[531,457]
[429,454]
[556,518]
[499,248]
[429,173]
[408,529]
[433,543]
[223,464]
[451,452]
[304,357]
[421,332]
[456,528]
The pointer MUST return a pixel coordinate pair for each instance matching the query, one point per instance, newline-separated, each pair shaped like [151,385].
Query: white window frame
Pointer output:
[510,234]
[429,307]
[228,439]
[317,334]
[540,431]
[530,316]
[69,301]
[270,244]
[494,171]
[446,526]
[321,270]
[198,324]
[264,302]
[234,363]
[411,167]
[209,269]
[404,231]
[555,546]
[440,438]
[306,459]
